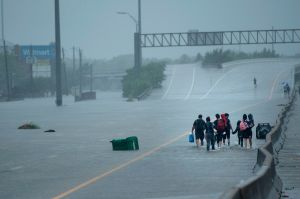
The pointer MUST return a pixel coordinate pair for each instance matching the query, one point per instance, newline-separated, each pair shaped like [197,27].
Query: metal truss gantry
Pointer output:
[195,38]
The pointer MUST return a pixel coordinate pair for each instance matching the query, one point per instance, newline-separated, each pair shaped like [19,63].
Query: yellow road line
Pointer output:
[93,180]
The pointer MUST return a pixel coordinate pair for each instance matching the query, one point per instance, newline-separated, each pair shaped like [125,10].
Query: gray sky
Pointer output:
[94,26]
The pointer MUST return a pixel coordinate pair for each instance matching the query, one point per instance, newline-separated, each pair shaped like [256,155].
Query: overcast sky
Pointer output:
[95,26]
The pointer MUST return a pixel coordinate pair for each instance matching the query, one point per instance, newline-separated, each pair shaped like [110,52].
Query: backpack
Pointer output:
[225,119]
[221,125]
[243,126]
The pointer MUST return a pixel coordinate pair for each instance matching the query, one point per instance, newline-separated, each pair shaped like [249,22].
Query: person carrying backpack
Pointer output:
[199,127]
[223,117]
[219,125]
[239,133]
[250,126]
[209,135]
[228,127]
[244,129]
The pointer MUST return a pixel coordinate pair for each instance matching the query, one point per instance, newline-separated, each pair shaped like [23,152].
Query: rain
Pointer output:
[98,97]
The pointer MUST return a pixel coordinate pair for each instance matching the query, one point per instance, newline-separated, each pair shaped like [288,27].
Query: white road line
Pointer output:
[213,87]
[192,85]
[16,168]
[171,82]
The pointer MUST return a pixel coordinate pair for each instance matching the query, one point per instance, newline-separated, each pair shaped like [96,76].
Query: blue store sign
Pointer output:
[37,52]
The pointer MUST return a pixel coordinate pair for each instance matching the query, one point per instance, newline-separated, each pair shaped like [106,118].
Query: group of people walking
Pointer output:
[220,129]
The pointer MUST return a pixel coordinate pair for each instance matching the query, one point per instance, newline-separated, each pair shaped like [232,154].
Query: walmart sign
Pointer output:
[30,53]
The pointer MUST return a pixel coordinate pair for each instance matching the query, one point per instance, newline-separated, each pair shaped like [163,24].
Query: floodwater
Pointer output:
[34,164]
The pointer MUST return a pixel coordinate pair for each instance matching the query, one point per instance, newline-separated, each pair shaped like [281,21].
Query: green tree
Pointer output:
[139,80]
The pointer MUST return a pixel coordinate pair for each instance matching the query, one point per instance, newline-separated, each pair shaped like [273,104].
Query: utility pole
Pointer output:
[137,41]
[5,55]
[73,70]
[273,39]
[6,71]
[58,56]
[65,72]
[31,71]
[80,72]
[91,77]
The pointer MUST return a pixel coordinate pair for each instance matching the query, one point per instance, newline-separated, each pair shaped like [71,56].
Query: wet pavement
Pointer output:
[77,160]
[288,167]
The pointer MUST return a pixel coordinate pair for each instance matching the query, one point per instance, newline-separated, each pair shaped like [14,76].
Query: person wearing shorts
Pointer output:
[199,127]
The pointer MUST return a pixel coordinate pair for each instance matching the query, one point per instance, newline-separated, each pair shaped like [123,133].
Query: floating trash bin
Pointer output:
[119,144]
[130,143]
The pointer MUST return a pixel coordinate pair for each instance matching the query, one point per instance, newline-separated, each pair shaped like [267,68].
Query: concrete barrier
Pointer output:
[266,184]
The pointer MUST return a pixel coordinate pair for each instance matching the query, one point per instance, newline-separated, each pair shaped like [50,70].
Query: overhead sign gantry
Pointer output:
[195,38]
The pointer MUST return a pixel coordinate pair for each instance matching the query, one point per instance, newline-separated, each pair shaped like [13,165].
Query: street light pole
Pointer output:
[133,19]
[139,48]
[140,22]
[5,54]
[58,56]
[137,37]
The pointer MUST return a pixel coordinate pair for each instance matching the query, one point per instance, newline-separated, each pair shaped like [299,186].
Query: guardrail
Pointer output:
[266,184]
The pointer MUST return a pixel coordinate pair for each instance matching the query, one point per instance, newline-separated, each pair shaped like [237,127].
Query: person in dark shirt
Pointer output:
[250,126]
[219,130]
[199,127]
[209,134]
[239,133]
[228,127]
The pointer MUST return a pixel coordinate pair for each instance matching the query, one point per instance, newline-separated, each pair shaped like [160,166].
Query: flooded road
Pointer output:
[77,160]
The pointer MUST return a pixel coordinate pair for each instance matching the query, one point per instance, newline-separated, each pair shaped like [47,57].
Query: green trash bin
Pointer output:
[119,144]
[132,143]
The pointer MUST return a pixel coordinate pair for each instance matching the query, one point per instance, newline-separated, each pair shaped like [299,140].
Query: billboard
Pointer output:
[33,53]
[39,56]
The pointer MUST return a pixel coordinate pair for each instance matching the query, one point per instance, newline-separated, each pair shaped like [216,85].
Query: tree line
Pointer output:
[219,56]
